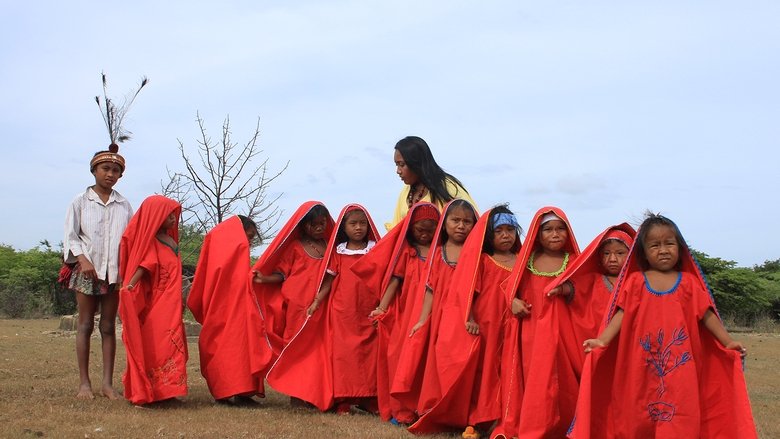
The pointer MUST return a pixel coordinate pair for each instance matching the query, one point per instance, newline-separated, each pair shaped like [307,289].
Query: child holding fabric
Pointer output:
[664,365]
[151,304]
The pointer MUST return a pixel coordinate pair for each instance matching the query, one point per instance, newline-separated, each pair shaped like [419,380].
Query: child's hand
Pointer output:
[472,327]
[520,308]
[593,343]
[564,289]
[313,307]
[87,269]
[258,279]
[737,346]
[416,328]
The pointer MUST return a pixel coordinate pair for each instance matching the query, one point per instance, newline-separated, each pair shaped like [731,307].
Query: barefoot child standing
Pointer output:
[93,227]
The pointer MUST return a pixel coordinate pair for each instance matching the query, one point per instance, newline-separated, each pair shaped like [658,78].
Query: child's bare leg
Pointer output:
[86,306]
[108,307]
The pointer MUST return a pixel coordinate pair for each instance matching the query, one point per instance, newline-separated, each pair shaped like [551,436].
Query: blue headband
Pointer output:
[505,219]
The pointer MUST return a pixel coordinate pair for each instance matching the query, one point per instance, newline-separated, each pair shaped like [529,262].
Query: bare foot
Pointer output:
[85,392]
[110,393]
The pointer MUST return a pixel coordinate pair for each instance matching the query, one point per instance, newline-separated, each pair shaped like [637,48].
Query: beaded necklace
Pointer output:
[416,194]
[547,273]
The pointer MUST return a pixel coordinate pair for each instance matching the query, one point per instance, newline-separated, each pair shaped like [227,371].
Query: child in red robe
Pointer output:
[395,272]
[471,332]
[289,272]
[538,388]
[338,339]
[664,366]
[150,304]
[592,277]
[416,359]
[234,351]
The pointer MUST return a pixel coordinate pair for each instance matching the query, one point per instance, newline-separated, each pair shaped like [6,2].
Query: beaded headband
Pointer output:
[107,156]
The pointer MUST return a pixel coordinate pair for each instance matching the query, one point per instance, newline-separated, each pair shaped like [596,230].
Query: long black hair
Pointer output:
[487,244]
[419,159]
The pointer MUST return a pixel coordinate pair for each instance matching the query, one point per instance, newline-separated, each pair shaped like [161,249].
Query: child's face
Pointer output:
[315,228]
[458,224]
[553,235]
[251,234]
[662,250]
[613,256]
[107,174]
[403,171]
[423,231]
[170,221]
[504,237]
[356,225]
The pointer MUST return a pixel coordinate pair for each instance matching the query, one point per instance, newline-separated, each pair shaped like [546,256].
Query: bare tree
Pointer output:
[225,181]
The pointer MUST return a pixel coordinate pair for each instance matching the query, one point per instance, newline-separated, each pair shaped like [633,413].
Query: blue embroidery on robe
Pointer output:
[660,361]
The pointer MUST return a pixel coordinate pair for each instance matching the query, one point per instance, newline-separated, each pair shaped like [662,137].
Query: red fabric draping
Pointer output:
[151,314]
[538,384]
[393,256]
[284,304]
[234,350]
[664,375]
[466,389]
[334,353]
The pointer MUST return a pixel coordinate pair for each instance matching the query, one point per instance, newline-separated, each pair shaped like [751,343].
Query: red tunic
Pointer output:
[152,328]
[234,351]
[334,353]
[299,286]
[393,256]
[664,375]
[538,384]
[592,292]
[466,389]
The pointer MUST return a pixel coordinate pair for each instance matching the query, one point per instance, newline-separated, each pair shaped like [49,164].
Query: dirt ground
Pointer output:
[38,380]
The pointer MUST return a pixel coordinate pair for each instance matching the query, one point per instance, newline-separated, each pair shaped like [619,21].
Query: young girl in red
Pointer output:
[664,365]
[332,359]
[289,272]
[538,392]
[415,358]
[471,332]
[150,304]
[395,271]
[592,277]
[232,345]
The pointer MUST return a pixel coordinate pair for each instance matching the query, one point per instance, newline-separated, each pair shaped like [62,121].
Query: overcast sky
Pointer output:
[603,108]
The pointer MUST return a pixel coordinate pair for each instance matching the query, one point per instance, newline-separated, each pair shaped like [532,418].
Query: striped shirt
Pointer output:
[94,229]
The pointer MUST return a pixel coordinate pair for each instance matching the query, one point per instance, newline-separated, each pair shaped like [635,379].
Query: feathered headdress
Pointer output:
[114,115]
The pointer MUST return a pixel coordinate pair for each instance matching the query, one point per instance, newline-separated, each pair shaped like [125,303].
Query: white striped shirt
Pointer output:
[94,229]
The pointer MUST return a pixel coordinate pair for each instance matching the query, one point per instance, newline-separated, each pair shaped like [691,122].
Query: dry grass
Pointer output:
[38,378]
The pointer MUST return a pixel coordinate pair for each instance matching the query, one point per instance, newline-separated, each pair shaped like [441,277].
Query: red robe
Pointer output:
[152,327]
[393,256]
[467,366]
[538,384]
[234,350]
[664,375]
[592,292]
[334,353]
[416,376]
[284,304]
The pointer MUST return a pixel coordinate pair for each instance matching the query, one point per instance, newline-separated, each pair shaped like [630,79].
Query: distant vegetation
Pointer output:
[28,286]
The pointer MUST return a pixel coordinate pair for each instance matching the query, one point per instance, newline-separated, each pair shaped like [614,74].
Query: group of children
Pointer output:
[448,322]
